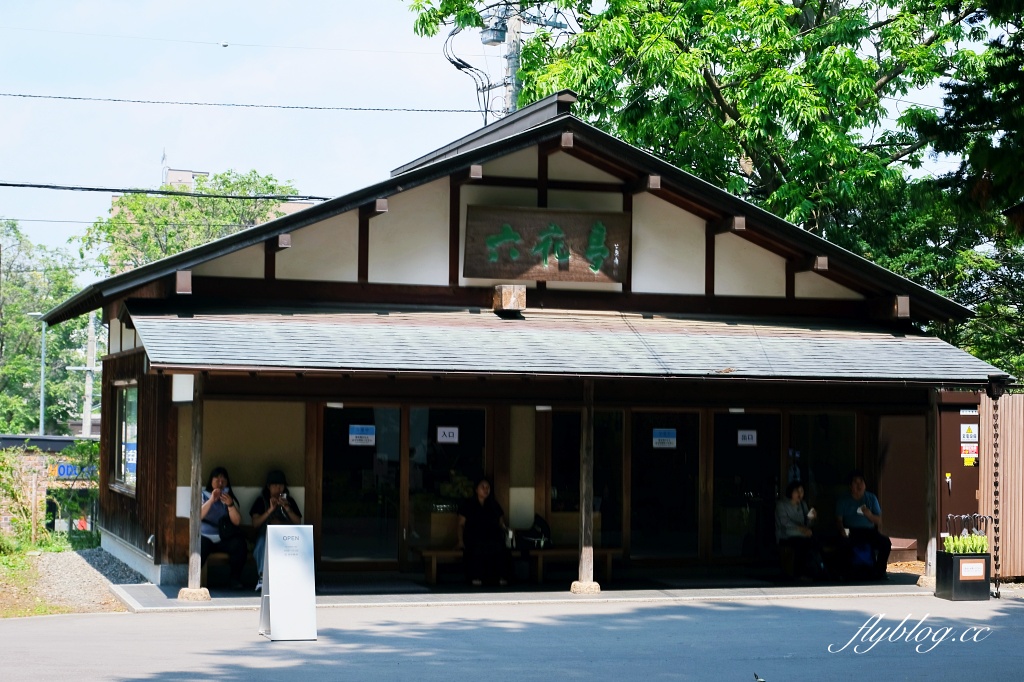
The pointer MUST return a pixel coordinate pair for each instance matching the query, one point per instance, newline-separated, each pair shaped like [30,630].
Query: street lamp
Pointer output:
[42,374]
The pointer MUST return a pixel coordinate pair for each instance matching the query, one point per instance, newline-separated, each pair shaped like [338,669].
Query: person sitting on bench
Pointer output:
[793,531]
[861,513]
[219,531]
[481,533]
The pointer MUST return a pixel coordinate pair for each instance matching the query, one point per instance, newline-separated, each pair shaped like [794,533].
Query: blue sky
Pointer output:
[341,53]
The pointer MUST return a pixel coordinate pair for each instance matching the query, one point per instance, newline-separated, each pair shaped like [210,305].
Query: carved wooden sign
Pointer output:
[544,244]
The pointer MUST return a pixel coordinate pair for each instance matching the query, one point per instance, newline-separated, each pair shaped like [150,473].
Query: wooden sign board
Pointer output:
[544,245]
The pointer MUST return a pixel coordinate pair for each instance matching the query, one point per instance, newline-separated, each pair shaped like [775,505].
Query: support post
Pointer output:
[586,584]
[194,592]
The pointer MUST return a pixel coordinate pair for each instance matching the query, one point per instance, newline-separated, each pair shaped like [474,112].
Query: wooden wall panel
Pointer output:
[1011,478]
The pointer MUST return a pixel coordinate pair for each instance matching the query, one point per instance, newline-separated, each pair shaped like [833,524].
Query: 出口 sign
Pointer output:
[546,244]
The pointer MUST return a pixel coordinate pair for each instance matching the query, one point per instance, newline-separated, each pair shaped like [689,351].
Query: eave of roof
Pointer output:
[548,343]
[95,295]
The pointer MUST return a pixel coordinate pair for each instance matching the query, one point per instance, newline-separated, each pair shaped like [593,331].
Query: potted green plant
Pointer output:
[963,570]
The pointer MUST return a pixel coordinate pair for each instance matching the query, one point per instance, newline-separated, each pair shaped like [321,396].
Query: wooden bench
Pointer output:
[431,557]
[537,557]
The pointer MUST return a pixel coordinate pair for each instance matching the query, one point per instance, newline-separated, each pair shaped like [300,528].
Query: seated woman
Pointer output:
[793,529]
[220,519]
[274,506]
[482,537]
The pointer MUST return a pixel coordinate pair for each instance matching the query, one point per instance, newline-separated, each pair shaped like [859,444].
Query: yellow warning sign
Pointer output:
[968,433]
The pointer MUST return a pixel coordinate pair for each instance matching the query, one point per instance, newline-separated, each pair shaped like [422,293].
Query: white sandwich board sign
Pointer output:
[288,603]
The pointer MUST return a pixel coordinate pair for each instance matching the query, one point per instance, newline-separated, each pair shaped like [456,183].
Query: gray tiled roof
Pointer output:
[549,342]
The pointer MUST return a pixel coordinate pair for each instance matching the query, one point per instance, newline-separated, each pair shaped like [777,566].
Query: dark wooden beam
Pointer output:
[289,291]
[270,249]
[183,282]
[454,222]
[709,259]
[474,173]
[542,177]
[731,223]
[645,183]
[811,264]
[366,212]
[627,207]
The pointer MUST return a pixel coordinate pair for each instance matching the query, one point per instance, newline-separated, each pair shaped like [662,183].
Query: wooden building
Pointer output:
[636,355]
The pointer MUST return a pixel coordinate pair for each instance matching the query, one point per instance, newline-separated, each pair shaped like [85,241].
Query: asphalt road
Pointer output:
[779,639]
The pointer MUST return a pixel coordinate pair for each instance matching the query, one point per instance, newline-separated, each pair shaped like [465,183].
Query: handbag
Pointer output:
[226,529]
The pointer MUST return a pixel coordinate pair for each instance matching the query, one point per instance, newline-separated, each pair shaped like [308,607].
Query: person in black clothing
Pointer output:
[274,506]
[482,537]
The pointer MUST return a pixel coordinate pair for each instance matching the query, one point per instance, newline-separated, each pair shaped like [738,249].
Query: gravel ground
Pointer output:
[80,581]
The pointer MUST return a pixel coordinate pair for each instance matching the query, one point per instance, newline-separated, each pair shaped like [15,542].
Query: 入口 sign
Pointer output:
[448,434]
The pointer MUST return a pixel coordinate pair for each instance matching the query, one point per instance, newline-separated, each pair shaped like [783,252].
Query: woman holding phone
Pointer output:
[274,506]
[220,520]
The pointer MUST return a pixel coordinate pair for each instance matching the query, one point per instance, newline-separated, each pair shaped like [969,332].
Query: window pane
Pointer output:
[127,436]
[446,456]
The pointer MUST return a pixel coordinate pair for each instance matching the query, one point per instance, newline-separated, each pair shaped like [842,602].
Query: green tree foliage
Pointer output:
[984,118]
[787,103]
[143,228]
[35,279]
[806,108]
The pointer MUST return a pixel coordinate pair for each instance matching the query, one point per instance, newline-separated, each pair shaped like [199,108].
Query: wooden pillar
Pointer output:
[195,592]
[586,583]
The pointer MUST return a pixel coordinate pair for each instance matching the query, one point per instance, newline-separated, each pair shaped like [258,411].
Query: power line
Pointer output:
[418,110]
[164,192]
[223,44]
[121,222]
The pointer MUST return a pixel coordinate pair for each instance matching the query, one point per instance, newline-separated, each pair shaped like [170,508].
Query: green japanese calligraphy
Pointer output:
[596,250]
[551,240]
[506,236]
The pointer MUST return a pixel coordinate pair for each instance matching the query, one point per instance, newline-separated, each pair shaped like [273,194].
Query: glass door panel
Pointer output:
[446,457]
[360,484]
[565,478]
[746,484]
[665,491]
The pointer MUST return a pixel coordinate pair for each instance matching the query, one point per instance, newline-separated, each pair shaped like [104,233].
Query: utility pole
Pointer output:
[90,367]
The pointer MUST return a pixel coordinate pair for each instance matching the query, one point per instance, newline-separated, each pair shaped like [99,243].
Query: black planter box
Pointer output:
[962,577]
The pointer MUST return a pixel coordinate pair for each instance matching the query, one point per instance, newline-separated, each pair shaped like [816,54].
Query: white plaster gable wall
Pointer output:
[585,201]
[745,269]
[120,337]
[667,249]
[480,195]
[521,164]
[562,166]
[114,337]
[327,251]
[409,243]
[247,263]
[813,285]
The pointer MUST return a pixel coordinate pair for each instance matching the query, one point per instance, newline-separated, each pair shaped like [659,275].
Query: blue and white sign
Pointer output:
[664,439]
[130,456]
[746,437]
[362,435]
